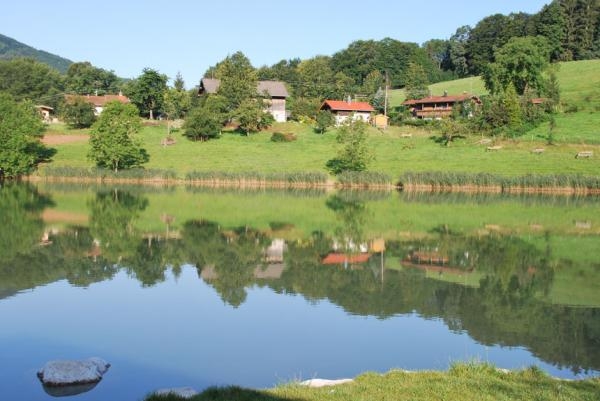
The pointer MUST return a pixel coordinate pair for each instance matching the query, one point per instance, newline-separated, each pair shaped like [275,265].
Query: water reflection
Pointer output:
[496,286]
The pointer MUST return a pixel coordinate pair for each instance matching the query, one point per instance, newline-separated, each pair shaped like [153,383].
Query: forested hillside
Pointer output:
[11,49]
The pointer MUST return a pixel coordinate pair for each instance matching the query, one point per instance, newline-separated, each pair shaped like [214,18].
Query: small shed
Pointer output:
[46,112]
[380,121]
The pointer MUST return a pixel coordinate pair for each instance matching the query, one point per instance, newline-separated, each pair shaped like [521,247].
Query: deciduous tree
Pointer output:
[21,129]
[113,138]
[354,155]
[147,92]
[78,112]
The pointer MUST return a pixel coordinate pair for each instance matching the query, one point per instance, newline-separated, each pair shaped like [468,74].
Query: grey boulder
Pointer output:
[67,373]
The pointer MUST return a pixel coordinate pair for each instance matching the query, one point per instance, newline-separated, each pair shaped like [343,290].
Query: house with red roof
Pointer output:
[100,101]
[438,107]
[343,110]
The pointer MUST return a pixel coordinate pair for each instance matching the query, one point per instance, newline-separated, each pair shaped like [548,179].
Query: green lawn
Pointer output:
[463,381]
[393,153]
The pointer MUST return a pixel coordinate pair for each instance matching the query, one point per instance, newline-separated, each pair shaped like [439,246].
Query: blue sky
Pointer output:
[189,36]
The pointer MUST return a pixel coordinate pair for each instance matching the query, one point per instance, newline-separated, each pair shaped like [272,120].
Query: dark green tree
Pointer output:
[251,116]
[202,124]
[354,154]
[457,52]
[78,112]
[147,92]
[238,80]
[27,79]
[324,120]
[416,82]
[113,138]
[21,129]
[550,23]
[84,79]
[521,63]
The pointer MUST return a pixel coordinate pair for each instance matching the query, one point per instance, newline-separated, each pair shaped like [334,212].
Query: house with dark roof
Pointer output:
[438,107]
[343,110]
[275,92]
[100,101]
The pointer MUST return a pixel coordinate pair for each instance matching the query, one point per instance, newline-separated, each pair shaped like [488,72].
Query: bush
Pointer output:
[281,137]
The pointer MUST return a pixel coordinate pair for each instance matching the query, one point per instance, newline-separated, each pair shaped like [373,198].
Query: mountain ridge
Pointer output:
[11,48]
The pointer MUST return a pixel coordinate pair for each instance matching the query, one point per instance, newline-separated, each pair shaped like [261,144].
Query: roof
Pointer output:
[340,258]
[441,99]
[100,101]
[341,105]
[273,88]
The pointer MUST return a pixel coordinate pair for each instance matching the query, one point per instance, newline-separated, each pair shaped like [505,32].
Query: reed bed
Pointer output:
[485,182]
[364,179]
[256,179]
[102,174]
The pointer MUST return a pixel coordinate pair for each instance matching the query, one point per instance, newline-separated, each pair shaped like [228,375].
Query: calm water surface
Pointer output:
[199,288]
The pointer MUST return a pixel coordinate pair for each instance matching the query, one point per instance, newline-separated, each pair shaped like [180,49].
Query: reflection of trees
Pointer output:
[112,217]
[229,255]
[22,226]
[351,215]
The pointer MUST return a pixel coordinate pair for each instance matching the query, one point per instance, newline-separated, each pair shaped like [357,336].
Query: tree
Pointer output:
[251,116]
[354,154]
[324,120]
[457,52]
[451,129]
[521,63]
[113,140]
[78,112]
[550,23]
[84,79]
[372,83]
[238,80]
[27,79]
[202,123]
[21,129]
[416,82]
[317,79]
[437,50]
[147,92]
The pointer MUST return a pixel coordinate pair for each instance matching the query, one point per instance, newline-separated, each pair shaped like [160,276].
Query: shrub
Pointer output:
[281,137]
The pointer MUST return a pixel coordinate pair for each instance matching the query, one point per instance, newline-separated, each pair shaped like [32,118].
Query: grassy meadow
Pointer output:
[395,150]
[463,381]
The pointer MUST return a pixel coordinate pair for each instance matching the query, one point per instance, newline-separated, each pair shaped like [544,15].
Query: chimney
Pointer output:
[349,100]
[445,93]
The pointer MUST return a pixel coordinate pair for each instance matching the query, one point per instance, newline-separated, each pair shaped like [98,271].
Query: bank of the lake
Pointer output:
[463,381]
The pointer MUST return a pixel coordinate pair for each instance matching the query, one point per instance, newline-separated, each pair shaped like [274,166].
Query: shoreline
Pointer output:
[329,185]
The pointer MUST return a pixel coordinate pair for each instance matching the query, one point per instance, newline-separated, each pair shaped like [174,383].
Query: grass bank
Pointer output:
[463,381]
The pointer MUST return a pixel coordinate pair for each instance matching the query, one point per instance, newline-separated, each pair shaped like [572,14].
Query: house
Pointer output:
[46,112]
[342,110]
[438,107]
[100,101]
[275,91]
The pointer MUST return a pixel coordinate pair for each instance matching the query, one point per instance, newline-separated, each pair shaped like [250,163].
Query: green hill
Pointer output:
[579,83]
[10,48]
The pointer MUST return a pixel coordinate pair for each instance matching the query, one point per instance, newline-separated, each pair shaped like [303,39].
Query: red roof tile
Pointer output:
[340,258]
[341,105]
[100,101]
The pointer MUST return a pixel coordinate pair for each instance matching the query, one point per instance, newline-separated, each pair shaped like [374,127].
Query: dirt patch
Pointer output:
[58,216]
[62,139]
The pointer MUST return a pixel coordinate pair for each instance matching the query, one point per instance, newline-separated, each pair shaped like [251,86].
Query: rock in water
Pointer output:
[65,373]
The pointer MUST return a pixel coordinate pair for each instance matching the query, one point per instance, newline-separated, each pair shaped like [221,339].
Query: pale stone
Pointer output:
[325,382]
[184,392]
[64,373]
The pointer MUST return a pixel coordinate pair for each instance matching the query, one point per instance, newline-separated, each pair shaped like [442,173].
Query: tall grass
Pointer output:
[254,178]
[441,180]
[364,179]
[101,174]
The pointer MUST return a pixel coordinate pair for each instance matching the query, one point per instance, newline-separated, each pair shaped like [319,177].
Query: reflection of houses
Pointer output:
[275,91]
[432,261]
[269,272]
[346,260]
[274,253]
[343,110]
[100,102]
[438,107]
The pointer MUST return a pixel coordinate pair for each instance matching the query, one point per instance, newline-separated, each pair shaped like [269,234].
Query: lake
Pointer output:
[200,287]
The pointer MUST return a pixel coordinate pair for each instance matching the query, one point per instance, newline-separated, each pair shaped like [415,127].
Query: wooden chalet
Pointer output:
[343,110]
[437,107]
[275,91]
